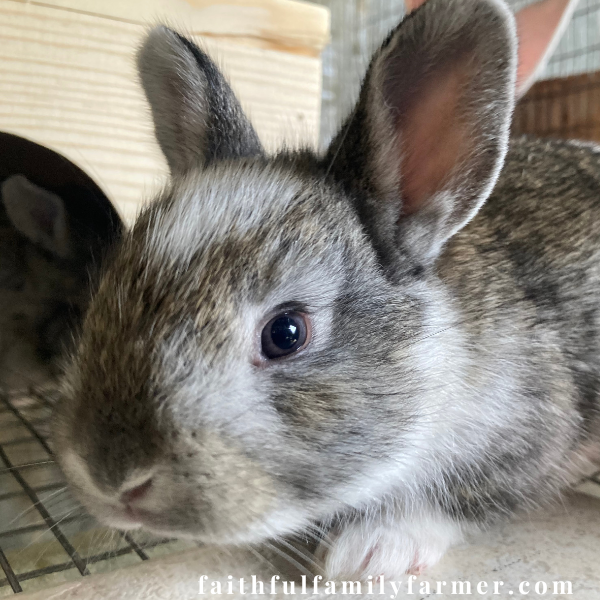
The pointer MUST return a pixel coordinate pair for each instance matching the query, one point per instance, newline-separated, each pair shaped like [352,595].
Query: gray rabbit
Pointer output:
[46,267]
[392,344]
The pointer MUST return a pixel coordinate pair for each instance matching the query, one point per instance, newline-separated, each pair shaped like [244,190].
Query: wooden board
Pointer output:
[67,80]
[288,25]
[567,108]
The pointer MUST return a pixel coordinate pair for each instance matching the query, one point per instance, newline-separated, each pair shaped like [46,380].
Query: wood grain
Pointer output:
[290,24]
[566,107]
[67,81]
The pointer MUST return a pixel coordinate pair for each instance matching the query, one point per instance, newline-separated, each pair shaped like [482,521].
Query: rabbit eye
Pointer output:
[285,334]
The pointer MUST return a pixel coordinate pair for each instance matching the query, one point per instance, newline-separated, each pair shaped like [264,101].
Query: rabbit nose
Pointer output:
[136,493]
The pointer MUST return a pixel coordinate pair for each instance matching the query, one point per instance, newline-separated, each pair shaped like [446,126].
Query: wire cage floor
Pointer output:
[46,538]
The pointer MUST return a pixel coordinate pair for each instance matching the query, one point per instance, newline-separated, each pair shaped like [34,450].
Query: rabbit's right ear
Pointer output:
[197,117]
[38,214]
[425,144]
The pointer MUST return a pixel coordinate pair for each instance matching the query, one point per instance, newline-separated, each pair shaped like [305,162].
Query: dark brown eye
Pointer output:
[285,334]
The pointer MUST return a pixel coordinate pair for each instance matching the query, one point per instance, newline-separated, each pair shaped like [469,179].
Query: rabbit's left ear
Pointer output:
[197,117]
[427,139]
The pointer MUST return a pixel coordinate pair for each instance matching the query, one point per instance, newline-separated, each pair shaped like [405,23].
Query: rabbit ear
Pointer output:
[430,131]
[37,213]
[540,27]
[196,115]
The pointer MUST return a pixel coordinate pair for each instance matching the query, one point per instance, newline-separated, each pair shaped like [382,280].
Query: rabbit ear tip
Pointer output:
[37,213]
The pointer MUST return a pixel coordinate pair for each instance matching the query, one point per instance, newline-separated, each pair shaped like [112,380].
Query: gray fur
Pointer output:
[452,378]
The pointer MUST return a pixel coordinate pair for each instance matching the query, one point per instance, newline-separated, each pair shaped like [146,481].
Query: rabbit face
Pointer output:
[238,444]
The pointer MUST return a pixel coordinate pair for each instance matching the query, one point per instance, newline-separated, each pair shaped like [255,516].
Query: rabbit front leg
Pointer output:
[388,545]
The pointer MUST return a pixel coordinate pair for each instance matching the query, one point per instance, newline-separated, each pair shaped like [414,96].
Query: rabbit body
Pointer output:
[515,392]
[449,373]
[521,283]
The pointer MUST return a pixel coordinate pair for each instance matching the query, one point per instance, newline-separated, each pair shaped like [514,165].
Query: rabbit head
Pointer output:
[257,355]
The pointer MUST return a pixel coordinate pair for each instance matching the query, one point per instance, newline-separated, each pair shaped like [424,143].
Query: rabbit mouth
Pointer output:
[131,518]
[124,521]
[128,518]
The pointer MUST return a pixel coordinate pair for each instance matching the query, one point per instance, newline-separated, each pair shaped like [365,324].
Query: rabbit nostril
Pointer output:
[136,493]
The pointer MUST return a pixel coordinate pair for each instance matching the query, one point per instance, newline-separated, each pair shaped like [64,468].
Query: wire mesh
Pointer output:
[357,28]
[45,537]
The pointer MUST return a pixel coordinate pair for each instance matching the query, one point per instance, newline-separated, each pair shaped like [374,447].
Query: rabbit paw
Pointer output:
[361,549]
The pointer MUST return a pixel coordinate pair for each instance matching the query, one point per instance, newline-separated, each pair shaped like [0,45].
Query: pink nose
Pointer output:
[136,493]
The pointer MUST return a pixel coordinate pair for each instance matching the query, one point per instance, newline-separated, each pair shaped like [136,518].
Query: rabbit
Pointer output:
[382,348]
[46,264]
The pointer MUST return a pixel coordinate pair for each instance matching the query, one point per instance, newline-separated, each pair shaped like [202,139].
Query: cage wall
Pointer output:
[564,103]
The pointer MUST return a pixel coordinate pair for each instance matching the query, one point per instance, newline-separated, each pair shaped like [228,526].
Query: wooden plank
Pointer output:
[67,81]
[567,108]
[280,24]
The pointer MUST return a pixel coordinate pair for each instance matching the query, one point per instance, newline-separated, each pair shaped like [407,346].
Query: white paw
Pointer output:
[361,549]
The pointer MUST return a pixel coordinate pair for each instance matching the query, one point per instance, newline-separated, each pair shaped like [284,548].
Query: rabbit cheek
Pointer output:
[232,492]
